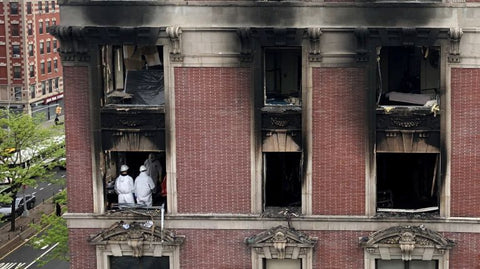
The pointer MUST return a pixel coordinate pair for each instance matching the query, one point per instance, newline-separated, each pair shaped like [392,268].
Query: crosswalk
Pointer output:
[12,265]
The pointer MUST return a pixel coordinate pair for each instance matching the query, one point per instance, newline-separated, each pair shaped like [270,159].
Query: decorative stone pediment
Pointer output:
[136,238]
[281,243]
[409,241]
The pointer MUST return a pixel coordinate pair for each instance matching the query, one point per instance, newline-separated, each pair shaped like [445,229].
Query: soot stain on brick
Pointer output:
[396,16]
[120,15]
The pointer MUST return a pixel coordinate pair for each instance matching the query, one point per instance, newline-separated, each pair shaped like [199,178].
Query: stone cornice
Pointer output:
[242,222]
[75,41]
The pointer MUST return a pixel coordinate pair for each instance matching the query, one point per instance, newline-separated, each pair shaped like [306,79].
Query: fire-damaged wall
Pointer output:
[339,134]
[224,147]
[213,132]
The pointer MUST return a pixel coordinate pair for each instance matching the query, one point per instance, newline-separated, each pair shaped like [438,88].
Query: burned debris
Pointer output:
[283,76]
[133,75]
[408,76]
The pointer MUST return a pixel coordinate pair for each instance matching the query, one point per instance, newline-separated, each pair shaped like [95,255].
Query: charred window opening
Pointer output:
[282,79]
[282,173]
[400,264]
[155,163]
[133,75]
[407,182]
[408,75]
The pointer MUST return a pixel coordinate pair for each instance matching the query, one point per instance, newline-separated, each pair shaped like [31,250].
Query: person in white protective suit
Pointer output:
[124,186]
[144,187]
[154,169]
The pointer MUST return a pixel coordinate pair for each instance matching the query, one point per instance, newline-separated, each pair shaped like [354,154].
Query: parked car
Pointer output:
[6,208]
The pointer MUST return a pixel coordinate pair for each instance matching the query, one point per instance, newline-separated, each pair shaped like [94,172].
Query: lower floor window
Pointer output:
[399,264]
[144,262]
[282,264]
[282,175]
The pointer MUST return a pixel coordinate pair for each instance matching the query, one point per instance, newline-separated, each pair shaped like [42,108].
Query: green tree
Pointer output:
[24,147]
[56,232]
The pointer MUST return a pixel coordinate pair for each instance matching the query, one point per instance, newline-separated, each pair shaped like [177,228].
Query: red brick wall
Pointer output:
[78,140]
[465,154]
[212,118]
[466,253]
[215,249]
[337,249]
[82,254]
[339,140]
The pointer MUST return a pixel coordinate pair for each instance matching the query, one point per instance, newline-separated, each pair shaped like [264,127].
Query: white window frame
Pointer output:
[401,243]
[108,244]
[272,244]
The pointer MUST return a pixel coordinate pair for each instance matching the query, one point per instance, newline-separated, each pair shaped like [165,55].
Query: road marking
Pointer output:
[49,184]
[11,265]
[39,257]
[33,193]
[41,189]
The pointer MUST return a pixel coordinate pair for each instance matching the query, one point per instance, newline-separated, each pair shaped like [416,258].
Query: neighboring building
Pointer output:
[299,134]
[30,67]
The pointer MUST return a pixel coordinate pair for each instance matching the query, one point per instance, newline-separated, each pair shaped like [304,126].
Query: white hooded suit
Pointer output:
[144,187]
[124,188]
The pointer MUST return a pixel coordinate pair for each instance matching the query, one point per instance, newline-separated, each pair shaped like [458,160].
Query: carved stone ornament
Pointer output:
[281,243]
[138,237]
[455,35]
[408,239]
[361,35]
[175,35]
[314,54]
[246,53]
[73,44]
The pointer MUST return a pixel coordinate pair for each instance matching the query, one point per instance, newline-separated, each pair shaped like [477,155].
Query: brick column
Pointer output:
[78,139]
[465,147]
[339,140]
[79,143]
[212,119]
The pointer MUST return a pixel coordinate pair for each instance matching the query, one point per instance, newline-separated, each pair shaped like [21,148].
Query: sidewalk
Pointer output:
[10,240]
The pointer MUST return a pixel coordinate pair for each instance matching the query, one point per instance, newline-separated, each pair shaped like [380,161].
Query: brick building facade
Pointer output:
[292,134]
[31,77]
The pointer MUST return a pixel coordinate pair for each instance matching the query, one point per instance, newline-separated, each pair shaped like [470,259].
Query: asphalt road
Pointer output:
[25,256]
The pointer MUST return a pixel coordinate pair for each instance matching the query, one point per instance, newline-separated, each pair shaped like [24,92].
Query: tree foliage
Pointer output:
[56,232]
[24,147]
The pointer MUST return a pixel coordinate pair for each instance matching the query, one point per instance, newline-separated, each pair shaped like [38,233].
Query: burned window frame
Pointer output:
[406,88]
[114,159]
[284,120]
[145,63]
[281,51]
[421,38]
